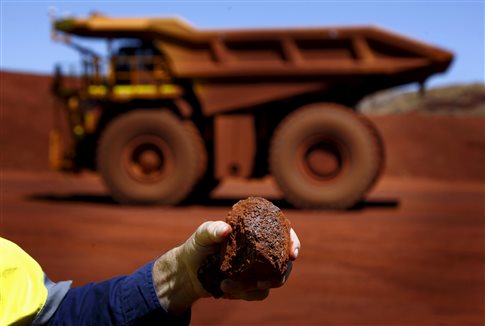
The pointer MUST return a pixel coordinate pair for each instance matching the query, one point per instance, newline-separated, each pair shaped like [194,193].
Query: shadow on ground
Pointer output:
[101,199]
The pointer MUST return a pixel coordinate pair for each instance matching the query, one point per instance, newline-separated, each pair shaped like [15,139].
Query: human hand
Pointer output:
[175,273]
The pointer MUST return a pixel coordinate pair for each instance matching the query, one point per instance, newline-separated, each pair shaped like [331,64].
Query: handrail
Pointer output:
[135,70]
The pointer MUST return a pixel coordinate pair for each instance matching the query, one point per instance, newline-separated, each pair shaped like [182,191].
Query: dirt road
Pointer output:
[412,254]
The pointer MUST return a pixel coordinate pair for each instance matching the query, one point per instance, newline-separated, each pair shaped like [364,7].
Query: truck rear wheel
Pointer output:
[148,157]
[325,156]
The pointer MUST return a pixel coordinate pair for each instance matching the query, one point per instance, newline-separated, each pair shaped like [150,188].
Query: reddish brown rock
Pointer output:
[257,248]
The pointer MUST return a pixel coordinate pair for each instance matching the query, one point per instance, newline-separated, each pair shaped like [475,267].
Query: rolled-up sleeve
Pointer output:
[125,300]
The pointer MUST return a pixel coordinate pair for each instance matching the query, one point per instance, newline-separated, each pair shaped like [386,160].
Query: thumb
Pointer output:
[210,233]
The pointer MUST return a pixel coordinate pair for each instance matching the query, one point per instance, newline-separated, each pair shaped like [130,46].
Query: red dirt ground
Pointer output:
[412,254]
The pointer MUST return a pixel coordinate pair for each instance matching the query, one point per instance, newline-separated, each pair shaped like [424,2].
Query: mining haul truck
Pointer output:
[171,110]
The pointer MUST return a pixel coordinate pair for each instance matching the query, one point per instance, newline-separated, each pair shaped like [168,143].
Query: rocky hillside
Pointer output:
[456,100]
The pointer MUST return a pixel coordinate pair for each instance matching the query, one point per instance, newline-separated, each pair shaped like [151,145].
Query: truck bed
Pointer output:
[271,52]
[236,68]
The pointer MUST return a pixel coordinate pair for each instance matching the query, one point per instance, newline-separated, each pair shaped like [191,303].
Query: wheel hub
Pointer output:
[147,159]
[321,160]
[150,161]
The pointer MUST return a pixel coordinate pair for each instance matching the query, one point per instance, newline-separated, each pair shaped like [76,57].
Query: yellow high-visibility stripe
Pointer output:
[130,90]
[169,89]
[97,90]
[134,89]
[22,290]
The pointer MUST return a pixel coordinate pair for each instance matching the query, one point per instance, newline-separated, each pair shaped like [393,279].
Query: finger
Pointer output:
[230,286]
[210,233]
[256,295]
[264,285]
[295,245]
[279,282]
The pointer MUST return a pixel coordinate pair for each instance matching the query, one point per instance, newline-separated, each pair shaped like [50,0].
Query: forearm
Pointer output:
[172,282]
[126,300]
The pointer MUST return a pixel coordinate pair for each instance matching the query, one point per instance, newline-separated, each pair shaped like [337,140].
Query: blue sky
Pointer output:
[454,25]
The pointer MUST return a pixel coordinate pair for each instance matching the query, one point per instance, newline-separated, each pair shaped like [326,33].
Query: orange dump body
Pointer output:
[234,69]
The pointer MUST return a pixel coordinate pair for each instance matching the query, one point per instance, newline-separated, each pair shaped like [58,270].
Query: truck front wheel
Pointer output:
[148,157]
[325,156]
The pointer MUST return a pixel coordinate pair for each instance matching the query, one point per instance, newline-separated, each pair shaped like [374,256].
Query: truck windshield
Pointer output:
[137,62]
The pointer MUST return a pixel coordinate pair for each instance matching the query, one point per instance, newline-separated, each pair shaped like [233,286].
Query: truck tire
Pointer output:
[148,157]
[206,181]
[325,156]
[200,149]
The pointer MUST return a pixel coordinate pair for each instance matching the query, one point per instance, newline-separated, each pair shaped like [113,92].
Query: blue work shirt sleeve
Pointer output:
[125,300]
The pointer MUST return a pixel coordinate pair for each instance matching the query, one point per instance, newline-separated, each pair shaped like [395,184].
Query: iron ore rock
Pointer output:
[257,248]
